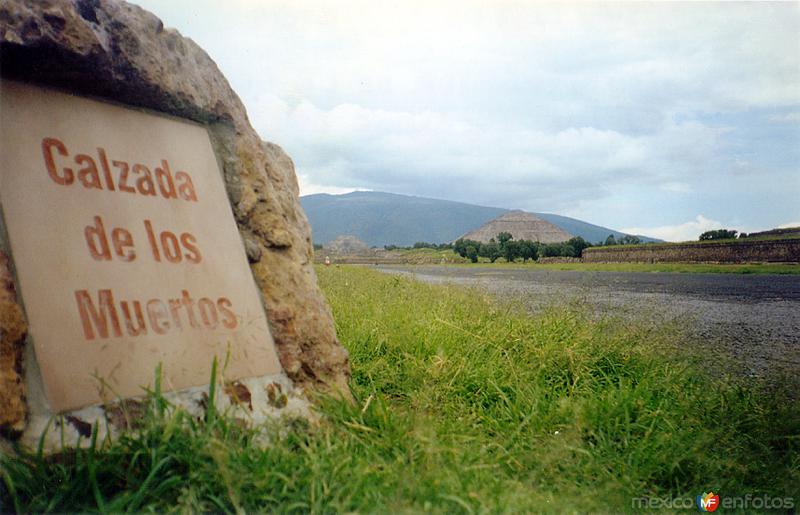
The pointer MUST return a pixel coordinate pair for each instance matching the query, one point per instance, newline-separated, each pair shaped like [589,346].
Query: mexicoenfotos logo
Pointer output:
[708,501]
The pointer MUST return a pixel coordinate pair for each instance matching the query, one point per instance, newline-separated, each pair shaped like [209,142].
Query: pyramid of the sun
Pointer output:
[522,226]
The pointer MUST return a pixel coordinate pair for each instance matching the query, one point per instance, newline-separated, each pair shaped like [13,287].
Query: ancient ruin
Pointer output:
[522,226]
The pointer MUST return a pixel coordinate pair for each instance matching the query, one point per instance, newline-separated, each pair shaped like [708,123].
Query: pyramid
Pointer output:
[522,226]
[345,245]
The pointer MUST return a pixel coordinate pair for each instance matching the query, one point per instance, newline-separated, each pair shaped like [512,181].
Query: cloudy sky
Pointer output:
[665,119]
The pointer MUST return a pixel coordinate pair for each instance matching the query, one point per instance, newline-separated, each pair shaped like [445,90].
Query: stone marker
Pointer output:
[134,192]
[126,249]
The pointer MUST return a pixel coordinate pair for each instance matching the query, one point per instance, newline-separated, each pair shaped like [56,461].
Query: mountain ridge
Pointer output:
[380,218]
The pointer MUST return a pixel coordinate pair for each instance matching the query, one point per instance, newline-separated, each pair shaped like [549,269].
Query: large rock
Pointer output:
[115,50]
[12,337]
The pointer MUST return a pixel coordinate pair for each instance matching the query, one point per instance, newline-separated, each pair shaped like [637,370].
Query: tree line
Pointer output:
[505,246]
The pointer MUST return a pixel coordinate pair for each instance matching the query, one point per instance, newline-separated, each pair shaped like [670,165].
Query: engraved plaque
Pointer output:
[126,250]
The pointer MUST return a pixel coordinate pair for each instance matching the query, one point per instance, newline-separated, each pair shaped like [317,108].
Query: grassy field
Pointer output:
[463,404]
[448,257]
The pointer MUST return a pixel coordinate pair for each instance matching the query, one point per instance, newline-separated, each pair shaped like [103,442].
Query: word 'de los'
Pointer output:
[173,248]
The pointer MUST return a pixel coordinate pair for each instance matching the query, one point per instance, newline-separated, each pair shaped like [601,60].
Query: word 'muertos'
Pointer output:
[103,320]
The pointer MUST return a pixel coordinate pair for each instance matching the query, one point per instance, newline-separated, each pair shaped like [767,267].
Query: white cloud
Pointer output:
[627,113]
[793,117]
[436,154]
[686,231]
[789,225]
[676,187]
[308,187]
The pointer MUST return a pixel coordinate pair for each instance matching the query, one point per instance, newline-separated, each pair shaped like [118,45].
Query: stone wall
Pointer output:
[785,232]
[774,251]
[117,51]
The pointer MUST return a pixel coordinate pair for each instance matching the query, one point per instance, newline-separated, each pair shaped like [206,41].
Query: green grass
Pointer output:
[682,268]
[462,404]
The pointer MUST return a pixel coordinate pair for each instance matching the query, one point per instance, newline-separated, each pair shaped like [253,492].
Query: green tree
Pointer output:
[578,244]
[471,253]
[490,250]
[528,250]
[629,240]
[719,234]
[511,250]
[461,245]
[610,240]
[504,237]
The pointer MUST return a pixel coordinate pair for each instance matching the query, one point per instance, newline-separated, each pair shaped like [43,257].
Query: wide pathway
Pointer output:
[755,318]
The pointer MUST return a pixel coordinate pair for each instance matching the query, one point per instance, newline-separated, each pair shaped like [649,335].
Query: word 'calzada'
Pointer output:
[163,317]
[131,179]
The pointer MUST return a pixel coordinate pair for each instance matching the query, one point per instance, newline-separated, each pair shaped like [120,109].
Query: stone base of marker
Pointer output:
[111,50]
[251,401]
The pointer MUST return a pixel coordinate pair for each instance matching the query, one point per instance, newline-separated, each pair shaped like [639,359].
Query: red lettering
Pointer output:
[186,189]
[189,304]
[101,153]
[229,317]
[123,244]
[172,250]
[137,308]
[47,149]
[190,243]
[123,176]
[151,237]
[145,184]
[208,312]
[174,309]
[96,236]
[165,182]
[161,181]
[157,313]
[92,319]
[101,319]
[88,175]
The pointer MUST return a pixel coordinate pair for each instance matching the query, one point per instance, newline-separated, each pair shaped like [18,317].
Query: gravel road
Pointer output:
[754,318]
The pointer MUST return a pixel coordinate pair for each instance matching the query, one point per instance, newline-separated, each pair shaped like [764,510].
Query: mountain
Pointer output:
[589,232]
[389,219]
[521,226]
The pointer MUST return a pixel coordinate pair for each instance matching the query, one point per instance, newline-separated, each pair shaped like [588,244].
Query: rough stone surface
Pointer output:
[255,400]
[12,336]
[522,226]
[118,51]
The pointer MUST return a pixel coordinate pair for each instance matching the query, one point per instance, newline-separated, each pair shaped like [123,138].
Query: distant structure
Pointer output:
[346,245]
[782,233]
[522,226]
